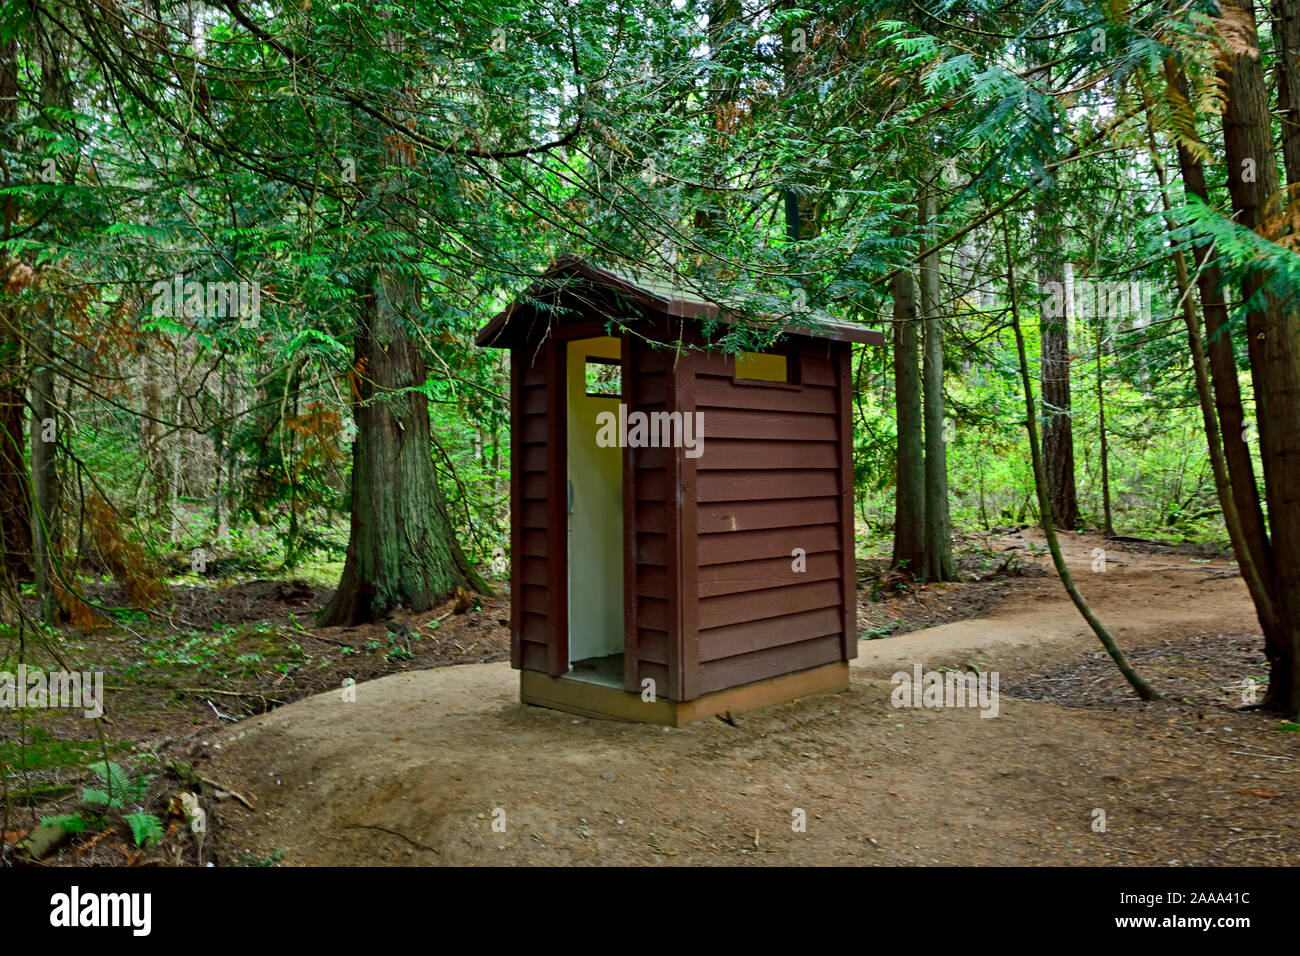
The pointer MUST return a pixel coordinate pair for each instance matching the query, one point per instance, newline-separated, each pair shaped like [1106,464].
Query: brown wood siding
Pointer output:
[651,552]
[848,549]
[517,482]
[687,520]
[529,545]
[730,453]
[772,662]
[632,635]
[770,480]
[712,600]
[552,358]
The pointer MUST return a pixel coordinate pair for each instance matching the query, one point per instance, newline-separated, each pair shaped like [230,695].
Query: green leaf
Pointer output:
[145,827]
[101,797]
[69,821]
[115,777]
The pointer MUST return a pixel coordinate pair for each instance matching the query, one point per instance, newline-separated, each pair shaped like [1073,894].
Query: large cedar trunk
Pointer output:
[1058,428]
[402,549]
[1274,342]
[909,491]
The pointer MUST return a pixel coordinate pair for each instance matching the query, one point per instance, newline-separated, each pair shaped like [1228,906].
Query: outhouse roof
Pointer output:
[676,297]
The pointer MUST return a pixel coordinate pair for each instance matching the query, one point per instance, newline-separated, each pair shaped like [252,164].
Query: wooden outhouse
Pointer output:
[681,519]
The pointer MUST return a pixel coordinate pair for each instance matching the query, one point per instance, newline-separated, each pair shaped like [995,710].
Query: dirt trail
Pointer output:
[417,769]
[1139,596]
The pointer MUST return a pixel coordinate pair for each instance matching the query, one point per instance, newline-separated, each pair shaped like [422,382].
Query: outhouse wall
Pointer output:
[537,604]
[713,599]
[775,476]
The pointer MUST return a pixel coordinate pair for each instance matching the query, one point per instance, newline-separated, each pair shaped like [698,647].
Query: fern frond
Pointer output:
[145,827]
[70,822]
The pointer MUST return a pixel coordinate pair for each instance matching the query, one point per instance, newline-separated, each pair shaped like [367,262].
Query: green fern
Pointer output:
[145,827]
[119,784]
[99,797]
[69,821]
[121,787]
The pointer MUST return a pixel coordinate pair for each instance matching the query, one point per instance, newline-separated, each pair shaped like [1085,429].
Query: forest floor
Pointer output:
[418,768]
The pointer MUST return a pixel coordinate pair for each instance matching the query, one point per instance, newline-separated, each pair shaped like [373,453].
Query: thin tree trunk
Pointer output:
[1286,31]
[909,489]
[1108,523]
[45,479]
[44,428]
[221,450]
[1136,681]
[939,565]
[155,480]
[1058,427]
[174,496]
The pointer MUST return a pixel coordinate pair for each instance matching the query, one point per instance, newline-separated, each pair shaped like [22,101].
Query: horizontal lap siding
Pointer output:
[761,665]
[652,577]
[769,481]
[529,546]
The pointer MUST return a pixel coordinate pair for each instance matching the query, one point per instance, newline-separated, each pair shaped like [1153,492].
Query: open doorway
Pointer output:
[595,513]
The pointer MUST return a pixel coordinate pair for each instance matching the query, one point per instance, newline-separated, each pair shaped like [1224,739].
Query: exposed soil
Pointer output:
[419,767]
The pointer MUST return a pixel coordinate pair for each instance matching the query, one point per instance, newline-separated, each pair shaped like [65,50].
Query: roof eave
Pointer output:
[495,333]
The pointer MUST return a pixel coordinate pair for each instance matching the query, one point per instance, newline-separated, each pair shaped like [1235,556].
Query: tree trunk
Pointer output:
[1108,521]
[44,427]
[174,495]
[1273,337]
[15,497]
[1227,392]
[402,549]
[45,479]
[1136,681]
[220,511]
[1200,367]
[939,564]
[909,490]
[721,94]
[1058,427]
[1286,31]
